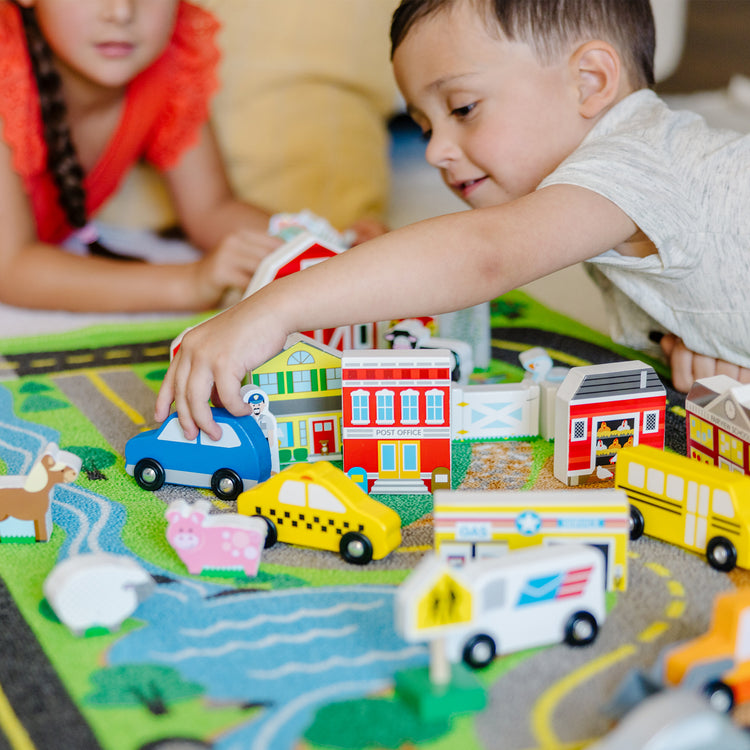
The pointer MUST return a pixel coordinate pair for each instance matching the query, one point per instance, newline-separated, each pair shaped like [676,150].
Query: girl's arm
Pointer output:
[39,275]
[439,265]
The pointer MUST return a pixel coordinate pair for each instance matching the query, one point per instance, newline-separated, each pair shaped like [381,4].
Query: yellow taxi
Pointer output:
[317,505]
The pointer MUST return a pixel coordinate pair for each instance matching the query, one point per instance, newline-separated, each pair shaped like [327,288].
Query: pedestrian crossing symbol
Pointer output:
[446,603]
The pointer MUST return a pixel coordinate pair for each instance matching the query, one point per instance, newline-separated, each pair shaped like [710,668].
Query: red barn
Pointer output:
[602,408]
[396,419]
[299,253]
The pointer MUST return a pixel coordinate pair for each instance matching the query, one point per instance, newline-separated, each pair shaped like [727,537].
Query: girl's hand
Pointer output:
[688,366]
[213,359]
[231,265]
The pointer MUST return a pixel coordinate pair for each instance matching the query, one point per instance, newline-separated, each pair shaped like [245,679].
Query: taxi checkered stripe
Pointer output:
[301,520]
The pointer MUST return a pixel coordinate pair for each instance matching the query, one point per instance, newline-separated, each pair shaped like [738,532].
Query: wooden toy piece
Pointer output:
[27,498]
[494,411]
[303,384]
[473,525]
[397,419]
[610,405]
[317,505]
[531,597]
[718,422]
[238,460]
[540,370]
[716,663]
[412,333]
[687,503]
[671,720]
[258,400]
[214,543]
[96,590]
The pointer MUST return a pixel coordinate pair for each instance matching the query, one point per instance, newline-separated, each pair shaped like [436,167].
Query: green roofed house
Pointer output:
[303,384]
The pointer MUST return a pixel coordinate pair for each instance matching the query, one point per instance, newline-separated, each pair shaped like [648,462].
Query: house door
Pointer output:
[398,459]
[324,436]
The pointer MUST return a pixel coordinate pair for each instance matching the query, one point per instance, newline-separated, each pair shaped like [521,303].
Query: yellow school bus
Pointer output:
[471,525]
[687,503]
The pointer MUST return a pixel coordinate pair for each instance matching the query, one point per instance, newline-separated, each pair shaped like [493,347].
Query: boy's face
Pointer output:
[496,119]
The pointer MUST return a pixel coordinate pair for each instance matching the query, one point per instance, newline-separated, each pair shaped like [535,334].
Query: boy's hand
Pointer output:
[212,361]
[688,366]
[231,265]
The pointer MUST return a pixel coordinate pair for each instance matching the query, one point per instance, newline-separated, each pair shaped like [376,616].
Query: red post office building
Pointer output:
[396,419]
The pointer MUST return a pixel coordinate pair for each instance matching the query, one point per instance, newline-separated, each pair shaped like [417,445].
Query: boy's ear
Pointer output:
[598,74]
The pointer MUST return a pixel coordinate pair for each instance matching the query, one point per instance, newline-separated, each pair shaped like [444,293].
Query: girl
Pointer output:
[88,87]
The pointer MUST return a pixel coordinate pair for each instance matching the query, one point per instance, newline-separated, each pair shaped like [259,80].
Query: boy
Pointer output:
[538,115]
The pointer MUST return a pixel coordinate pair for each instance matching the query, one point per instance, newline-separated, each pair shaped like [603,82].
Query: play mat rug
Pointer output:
[304,655]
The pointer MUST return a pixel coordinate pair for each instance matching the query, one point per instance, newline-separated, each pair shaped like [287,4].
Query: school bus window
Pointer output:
[636,474]
[493,595]
[675,487]
[292,493]
[321,499]
[723,504]
[655,481]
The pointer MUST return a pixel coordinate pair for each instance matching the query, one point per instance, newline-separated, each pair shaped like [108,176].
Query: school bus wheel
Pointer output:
[479,651]
[272,534]
[581,629]
[356,548]
[721,554]
[720,696]
[636,523]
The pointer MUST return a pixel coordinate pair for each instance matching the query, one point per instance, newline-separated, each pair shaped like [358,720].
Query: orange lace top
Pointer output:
[166,105]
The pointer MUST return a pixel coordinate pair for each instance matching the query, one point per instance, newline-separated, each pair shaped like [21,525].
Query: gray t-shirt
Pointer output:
[688,189]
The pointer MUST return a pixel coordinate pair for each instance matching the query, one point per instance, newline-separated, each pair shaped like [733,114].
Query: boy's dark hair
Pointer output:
[62,159]
[549,27]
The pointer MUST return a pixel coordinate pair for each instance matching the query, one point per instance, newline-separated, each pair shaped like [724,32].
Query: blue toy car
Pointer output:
[239,460]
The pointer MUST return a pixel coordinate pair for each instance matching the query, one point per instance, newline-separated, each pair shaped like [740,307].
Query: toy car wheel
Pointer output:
[272,534]
[636,523]
[149,474]
[226,484]
[721,554]
[356,548]
[720,696]
[479,651]
[581,629]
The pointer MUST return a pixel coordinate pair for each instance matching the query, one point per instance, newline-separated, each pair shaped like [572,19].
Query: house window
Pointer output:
[410,407]
[360,407]
[650,422]
[268,381]
[333,378]
[301,381]
[300,358]
[286,434]
[578,429]
[435,407]
[384,406]
[303,433]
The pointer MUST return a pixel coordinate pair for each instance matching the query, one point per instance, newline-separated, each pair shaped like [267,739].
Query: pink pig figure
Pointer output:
[218,541]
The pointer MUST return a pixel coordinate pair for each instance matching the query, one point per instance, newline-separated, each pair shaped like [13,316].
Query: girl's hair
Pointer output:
[62,159]
[549,27]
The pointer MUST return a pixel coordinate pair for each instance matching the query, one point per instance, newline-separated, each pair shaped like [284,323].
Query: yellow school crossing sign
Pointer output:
[432,599]
[446,603]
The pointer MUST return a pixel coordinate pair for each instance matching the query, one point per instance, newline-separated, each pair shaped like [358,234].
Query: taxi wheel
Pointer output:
[226,485]
[272,534]
[356,548]
[149,474]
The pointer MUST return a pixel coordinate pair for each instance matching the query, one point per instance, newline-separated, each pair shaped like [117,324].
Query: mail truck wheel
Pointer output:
[479,651]
[356,548]
[149,474]
[721,554]
[581,629]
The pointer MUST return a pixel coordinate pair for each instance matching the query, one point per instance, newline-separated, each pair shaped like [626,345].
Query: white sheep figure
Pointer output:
[97,589]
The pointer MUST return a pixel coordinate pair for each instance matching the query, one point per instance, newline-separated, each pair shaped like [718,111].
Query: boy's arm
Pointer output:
[439,265]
